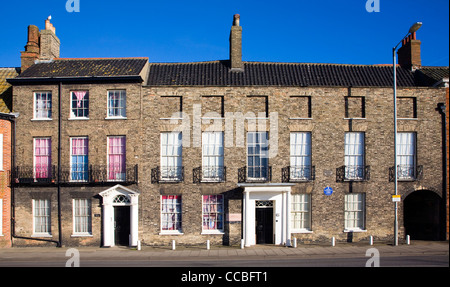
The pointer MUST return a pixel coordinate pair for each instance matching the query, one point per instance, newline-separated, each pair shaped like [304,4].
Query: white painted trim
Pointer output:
[108,214]
[281,195]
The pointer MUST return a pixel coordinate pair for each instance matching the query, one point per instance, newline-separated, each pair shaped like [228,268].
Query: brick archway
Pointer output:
[423,215]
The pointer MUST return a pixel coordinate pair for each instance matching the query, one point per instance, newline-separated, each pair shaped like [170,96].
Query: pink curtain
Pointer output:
[117,157]
[42,158]
[80,96]
[79,146]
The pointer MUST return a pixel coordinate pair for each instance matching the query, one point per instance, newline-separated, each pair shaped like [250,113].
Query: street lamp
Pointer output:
[416,26]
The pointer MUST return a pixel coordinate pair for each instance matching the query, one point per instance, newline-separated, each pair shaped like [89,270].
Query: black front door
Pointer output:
[122,225]
[264,225]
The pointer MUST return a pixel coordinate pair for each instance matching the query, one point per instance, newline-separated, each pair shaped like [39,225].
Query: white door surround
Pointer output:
[119,196]
[280,194]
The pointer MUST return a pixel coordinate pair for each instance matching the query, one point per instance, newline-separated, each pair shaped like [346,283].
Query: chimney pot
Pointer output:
[236,20]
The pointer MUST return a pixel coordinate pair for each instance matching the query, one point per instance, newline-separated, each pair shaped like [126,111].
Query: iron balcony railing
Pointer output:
[255,174]
[298,173]
[92,174]
[210,174]
[172,174]
[406,173]
[353,173]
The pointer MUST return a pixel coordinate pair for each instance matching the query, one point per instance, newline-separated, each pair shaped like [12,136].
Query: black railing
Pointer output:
[92,174]
[255,174]
[210,174]
[298,173]
[353,173]
[167,174]
[406,173]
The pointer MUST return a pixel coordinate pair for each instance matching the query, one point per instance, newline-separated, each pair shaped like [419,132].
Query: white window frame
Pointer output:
[300,157]
[175,212]
[83,105]
[218,211]
[355,211]
[71,158]
[121,110]
[35,107]
[406,152]
[46,217]
[262,154]
[171,162]
[118,176]
[354,155]
[83,205]
[301,213]
[50,167]
[212,156]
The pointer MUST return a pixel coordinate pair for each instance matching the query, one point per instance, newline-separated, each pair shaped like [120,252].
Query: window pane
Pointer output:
[171,212]
[116,158]
[257,155]
[117,103]
[212,212]
[354,211]
[80,104]
[300,166]
[82,216]
[43,105]
[171,156]
[354,155]
[42,216]
[79,159]
[300,211]
[42,158]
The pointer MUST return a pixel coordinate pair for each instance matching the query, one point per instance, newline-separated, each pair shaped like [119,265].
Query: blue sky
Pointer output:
[325,31]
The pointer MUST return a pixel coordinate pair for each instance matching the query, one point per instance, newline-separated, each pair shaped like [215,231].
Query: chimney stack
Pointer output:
[32,50]
[409,54]
[43,45]
[50,44]
[236,45]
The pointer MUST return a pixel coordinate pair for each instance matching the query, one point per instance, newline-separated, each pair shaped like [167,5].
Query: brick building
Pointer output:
[6,123]
[112,151]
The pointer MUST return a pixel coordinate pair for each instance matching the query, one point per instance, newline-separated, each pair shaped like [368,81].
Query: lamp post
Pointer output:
[416,26]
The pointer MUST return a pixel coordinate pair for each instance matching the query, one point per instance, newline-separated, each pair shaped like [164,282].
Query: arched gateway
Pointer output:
[422,215]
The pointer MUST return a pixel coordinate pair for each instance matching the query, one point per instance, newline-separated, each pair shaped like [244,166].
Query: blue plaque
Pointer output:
[328,191]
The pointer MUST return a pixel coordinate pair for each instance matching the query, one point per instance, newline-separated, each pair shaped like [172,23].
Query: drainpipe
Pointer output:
[441,109]
[12,119]
[59,163]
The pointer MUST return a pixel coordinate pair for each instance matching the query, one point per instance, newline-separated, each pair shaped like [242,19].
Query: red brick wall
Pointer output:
[5,191]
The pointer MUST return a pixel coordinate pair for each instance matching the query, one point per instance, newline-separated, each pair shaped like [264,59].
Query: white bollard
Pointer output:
[139,245]
[242,243]
[173,245]
[408,240]
[333,241]
[295,242]
[208,245]
[371,240]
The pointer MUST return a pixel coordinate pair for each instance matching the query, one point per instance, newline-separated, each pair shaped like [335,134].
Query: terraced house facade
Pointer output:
[116,151]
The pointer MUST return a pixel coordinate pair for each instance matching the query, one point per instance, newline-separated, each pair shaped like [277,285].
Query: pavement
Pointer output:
[259,252]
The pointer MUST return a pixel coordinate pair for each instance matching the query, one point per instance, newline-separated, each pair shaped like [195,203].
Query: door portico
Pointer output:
[280,194]
[119,196]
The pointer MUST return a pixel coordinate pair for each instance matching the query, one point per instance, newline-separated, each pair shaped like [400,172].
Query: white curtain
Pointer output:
[354,154]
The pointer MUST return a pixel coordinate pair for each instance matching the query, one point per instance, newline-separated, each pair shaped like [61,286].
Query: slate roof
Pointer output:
[84,68]
[6,89]
[217,73]
[428,76]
